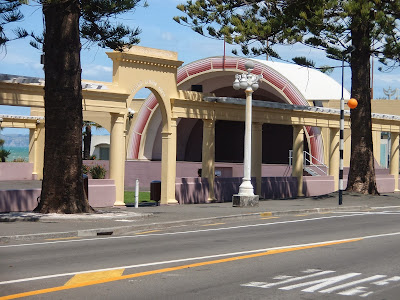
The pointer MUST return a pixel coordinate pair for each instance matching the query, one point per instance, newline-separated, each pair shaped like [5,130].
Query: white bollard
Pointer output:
[137,194]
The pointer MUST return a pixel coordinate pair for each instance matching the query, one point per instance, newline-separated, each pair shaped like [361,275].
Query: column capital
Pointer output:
[209,123]
[257,126]
[118,117]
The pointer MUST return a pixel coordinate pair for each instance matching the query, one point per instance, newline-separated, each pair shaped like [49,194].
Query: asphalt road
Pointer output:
[322,256]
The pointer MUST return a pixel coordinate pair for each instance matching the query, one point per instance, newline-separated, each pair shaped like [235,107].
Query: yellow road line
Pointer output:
[269,218]
[164,270]
[213,224]
[64,238]
[144,232]
[301,215]
[266,214]
[93,276]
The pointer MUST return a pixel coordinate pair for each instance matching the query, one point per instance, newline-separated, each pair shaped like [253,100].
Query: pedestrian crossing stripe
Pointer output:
[322,283]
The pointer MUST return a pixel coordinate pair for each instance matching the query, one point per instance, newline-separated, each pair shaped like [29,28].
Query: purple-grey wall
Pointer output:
[16,171]
[101,194]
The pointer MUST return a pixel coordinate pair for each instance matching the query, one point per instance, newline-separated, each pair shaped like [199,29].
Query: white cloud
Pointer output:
[387,78]
[167,36]
[96,72]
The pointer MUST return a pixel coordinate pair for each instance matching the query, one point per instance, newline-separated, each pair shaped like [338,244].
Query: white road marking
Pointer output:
[387,281]
[184,232]
[376,207]
[320,283]
[266,285]
[352,288]
[346,285]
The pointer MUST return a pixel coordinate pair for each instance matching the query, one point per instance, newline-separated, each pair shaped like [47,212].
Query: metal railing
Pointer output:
[309,165]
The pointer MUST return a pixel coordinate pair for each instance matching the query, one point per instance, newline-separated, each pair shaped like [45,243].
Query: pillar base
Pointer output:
[119,203]
[172,201]
[211,200]
[245,201]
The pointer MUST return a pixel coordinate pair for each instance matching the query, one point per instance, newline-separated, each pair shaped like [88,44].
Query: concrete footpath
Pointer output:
[120,220]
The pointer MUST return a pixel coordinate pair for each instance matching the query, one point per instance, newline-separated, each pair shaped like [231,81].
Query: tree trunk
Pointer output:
[62,187]
[87,140]
[362,171]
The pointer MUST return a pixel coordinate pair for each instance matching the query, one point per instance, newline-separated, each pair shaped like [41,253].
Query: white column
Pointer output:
[36,150]
[208,156]
[394,158]
[298,156]
[246,188]
[168,165]
[117,156]
[334,155]
[33,151]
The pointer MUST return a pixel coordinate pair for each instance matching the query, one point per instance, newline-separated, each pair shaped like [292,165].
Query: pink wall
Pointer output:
[147,171]
[195,190]
[18,200]
[385,183]
[318,185]
[101,194]
[15,171]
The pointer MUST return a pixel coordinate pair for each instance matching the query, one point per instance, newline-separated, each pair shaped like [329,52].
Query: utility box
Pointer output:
[155,190]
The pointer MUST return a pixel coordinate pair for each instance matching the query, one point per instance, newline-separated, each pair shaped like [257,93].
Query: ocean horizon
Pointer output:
[18,153]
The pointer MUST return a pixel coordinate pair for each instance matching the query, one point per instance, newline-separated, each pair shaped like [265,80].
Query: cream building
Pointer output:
[194,114]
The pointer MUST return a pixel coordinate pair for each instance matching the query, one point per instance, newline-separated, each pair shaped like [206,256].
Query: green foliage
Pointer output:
[10,13]
[85,169]
[321,24]
[4,154]
[19,159]
[98,172]
[129,197]
[303,61]
[97,24]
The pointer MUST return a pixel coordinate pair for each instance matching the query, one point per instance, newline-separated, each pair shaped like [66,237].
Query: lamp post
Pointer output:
[248,82]
[341,143]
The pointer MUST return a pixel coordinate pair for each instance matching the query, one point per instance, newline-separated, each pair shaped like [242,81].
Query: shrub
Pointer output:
[98,172]
[19,159]
[4,154]
[85,169]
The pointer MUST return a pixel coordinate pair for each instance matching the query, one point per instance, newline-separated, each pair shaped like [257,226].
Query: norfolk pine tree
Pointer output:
[329,25]
[9,14]
[65,23]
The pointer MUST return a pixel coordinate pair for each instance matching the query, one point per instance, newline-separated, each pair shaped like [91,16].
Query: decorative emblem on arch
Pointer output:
[219,64]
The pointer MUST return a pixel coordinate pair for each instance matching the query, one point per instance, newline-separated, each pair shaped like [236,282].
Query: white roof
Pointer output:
[313,84]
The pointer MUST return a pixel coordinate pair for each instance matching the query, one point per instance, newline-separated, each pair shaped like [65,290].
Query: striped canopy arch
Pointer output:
[226,64]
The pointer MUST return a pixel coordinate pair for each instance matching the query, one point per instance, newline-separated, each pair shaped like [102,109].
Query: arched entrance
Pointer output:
[214,75]
[155,70]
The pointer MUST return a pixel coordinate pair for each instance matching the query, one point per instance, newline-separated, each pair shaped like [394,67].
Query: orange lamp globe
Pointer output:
[352,103]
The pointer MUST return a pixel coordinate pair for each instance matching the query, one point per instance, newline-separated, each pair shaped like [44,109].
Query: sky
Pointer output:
[160,31]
